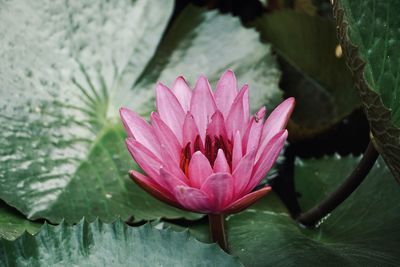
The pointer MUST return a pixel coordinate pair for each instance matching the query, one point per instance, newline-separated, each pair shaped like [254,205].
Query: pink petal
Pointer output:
[242,173]
[216,128]
[276,122]
[199,169]
[226,92]
[253,133]
[220,163]
[202,105]
[246,201]
[169,181]
[153,188]
[139,129]
[237,121]
[219,188]
[166,137]
[149,163]
[190,132]
[237,153]
[267,158]
[182,92]
[192,199]
[170,110]
[246,103]
[172,165]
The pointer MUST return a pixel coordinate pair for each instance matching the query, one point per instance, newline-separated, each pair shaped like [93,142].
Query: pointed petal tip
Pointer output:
[228,74]
[180,78]
[216,114]
[203,77]
[244,89]
[197,153]
[161,86]
[284,133]
[291,99]
[247,200]
[124,112]
[261,112]
[289,104]
[203,80]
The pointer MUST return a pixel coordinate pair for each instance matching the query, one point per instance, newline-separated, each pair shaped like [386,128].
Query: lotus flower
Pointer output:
[202,151]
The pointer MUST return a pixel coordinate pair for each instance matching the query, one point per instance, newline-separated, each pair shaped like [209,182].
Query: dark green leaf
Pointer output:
[363,231]
[13,224]
[369,34]
[313,72]
[66,68]
[116,244]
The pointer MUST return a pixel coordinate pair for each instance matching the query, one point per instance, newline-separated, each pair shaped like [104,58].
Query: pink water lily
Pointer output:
[202,151]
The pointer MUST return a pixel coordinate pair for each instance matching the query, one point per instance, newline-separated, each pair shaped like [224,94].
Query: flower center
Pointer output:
[210,150]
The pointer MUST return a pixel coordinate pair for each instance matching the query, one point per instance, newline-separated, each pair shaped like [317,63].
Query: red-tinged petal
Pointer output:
[182,92]
[242,173]
[199,169]
[139,129]
[169,181]
[236,120]
[193,199]
[170,110]
[220,164]
[237,153]
[202,105]
[246,201]
[191,132]
[171,165]
[149,163]
[226,92]
[267,159]
[216,128]
[166,137]
[153,188]
[219,188]
[276,122]
[251,140]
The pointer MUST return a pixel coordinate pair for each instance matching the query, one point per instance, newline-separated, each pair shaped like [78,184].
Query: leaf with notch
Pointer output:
[66,67]
[312,72]
[369,33]
[362,231]
[115,244]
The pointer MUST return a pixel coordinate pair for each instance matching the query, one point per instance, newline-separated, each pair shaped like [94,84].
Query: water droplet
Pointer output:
[338,51]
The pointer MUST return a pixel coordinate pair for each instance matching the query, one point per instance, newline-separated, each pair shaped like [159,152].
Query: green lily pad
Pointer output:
[369,34]
[116,244]
[314,72]
[363,231]
[13,224]
[66,68]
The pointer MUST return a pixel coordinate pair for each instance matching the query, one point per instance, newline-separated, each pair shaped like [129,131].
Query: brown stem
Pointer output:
[315,214]
[217,230]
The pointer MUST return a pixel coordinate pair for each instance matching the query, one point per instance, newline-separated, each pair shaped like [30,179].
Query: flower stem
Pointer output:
[217,230]
[313,216]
